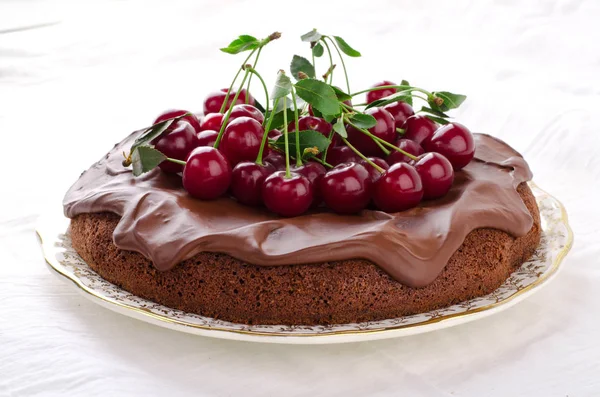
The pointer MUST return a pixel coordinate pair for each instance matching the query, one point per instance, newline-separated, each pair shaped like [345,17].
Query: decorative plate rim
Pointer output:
[255,335]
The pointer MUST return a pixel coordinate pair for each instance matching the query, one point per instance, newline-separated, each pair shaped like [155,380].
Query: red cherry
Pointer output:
[245,110]
[246,182]
[399,189]
[374,174]
[177,144]
[207,173]
[168,114]
[315,124]
[419,128]
[276,160]
[207,138]
[212,121]
[241,140]
[455,142]
[287,196]
[341,154]
[214,100]
[408,146]
[314,173]
[384,129]
[375,95]
[400,111]
[346,188]
[436,174]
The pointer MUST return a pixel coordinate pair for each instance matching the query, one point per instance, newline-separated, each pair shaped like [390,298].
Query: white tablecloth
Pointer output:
[76,77]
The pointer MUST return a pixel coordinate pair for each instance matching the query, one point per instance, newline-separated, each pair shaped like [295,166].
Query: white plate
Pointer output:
[556,241]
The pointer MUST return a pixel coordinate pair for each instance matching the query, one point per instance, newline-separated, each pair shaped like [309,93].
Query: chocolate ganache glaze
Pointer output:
[162,222]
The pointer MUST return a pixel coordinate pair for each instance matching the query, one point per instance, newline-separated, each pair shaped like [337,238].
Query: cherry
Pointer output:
[384,129]
[346,188]
[399,189]
[212,121]
[207,173]
[341,154]
[374,174]
[400,111]
[167,114]
[276,160]
[177,144]
[436,174]
[245,110]
[214,100]
[315,124]
[241,140]
[375,95]
[287,196]
[207,138]
[408,146]
[314,173]
[419,128]
[274,133]
[246,182]
[455,142]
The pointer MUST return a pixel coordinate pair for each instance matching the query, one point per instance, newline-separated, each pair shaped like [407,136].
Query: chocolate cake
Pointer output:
[225,260]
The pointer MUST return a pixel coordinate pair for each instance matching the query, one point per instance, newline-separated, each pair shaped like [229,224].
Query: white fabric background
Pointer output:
[97,70]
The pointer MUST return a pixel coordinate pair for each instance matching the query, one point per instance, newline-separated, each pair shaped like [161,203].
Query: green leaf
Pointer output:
[451,101]
[318,94]
[345,47]
[434,112]
[242,43]
[362,120]
[409,100]
[438,120]
[308,139]
[144,159]
[327,117]
[300,64]
[283,86]
[318,50]
[278,118]
[340,128]
[154,132]
[311,36]
[403,96]
[341,95]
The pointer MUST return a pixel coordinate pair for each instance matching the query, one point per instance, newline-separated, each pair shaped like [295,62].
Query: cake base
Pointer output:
[220,286]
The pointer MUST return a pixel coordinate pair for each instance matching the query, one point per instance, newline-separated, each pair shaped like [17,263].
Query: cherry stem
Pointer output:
[400,131]
[323,162]
[398,87]
[341,60]
[330,61]
[259,158]
[233,82]
[297,128]
[362,156]
[383,142]
[250,78]
[285,137]
[331,134]
[180,162]
[226,118]
[253,71]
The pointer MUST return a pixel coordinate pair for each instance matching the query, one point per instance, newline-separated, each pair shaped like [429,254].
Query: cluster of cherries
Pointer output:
[391,182]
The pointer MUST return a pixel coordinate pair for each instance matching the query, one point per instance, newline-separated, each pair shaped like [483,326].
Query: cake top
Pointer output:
[338,180]
[163,222]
